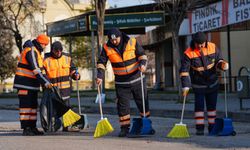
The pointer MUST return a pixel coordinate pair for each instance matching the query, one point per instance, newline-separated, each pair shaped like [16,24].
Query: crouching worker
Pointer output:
[199,68]
[29,75]
[60,69]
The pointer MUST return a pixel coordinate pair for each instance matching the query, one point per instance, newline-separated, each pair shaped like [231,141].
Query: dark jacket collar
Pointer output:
[124,41]
[38,46]
[192,44]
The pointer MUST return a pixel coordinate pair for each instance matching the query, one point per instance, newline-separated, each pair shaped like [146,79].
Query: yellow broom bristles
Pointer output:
[179,131]
[70,118]
[103,127]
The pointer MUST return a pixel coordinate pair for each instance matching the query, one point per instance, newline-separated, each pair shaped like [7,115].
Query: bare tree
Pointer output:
[15,13]
[7,63]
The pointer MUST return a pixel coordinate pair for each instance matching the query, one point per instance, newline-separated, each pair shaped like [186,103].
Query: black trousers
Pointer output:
[28,107]
[210,99]
[124,95]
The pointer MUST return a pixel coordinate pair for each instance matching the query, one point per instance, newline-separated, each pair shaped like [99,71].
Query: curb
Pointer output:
[188,114]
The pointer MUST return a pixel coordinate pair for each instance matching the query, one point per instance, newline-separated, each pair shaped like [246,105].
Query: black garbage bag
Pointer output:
[52,107]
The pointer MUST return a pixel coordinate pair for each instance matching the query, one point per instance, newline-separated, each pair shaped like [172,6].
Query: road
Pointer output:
[11,139]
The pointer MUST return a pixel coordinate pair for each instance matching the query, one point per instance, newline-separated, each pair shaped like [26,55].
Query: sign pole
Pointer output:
[93,58]
[229,58]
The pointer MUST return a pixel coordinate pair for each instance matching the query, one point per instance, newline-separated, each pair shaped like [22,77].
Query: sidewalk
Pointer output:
[161,105]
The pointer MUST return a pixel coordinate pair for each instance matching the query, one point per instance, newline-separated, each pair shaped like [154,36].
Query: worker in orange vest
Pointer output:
[128,60]
[199,68]
[29,75]
[60,69]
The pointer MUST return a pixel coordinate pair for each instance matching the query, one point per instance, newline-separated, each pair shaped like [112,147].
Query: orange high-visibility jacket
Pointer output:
[129,57]
[201,69]
[59,71]
[125,65]
[30,73]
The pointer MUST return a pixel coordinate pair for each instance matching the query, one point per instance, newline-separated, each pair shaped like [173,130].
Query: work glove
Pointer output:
[98,81]
[142,68]
[224,65]
[48,85]
[185,91]
[76,74]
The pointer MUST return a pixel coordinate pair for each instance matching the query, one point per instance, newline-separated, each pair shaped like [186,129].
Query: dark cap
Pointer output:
[114,33]
[199,37]
[57,46]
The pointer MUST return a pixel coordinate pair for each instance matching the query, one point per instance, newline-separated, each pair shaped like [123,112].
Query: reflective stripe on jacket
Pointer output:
[200,67]
[30,72]
[59,72]
[125,64]
[125,60]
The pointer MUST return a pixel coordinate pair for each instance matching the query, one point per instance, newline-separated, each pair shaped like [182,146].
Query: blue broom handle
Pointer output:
[225,91]
[100,100]
[143,100]
[183,107]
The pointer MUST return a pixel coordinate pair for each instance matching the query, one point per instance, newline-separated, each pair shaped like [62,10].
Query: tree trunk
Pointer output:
[100,12]
[176,58]
[19,41]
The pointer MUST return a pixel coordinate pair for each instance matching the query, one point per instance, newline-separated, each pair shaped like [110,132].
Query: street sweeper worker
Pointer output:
[28,77]
[60,70]
[128,60]
[198,70]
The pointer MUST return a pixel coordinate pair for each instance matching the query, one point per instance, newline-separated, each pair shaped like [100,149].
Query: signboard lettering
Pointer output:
[206,18]
[130,20]
[239,10]
[68,26]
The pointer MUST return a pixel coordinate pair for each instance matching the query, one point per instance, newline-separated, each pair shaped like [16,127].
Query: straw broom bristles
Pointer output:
[103,127]
[70,118]
[179,131]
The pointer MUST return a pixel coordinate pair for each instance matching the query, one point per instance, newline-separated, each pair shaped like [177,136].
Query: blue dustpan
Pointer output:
[223,126]
[141,126]
[136,126]
[147,127]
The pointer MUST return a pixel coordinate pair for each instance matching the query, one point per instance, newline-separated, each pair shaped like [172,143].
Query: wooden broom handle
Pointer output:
[100,100]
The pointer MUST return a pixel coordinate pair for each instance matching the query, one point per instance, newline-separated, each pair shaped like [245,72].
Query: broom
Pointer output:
[103,126]
[180,130]
[69,116]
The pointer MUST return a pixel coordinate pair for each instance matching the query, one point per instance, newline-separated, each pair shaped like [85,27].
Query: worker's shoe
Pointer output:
[200,132]
[74,129]
[124,132]
[210,128]
[28,131]
[37,132]
[65,129]
[200,129]
[71,129]
[57,125]
[31,131]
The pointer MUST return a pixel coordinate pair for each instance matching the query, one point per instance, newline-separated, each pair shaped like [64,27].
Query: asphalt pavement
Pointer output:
[11,139]
[165,112]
